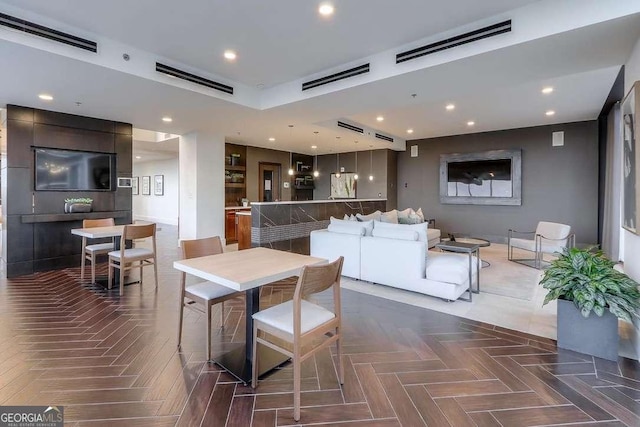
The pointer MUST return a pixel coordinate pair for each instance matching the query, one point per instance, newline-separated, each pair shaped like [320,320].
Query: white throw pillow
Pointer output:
[349,217]
[335,227]
[420,228]
[389,233]
[371,217]
[402,215]
[390,217]
[420,214]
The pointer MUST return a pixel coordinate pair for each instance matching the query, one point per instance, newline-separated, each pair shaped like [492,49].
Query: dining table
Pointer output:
[247,270]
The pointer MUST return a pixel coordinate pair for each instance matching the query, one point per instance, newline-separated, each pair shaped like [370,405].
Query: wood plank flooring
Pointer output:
[113,361]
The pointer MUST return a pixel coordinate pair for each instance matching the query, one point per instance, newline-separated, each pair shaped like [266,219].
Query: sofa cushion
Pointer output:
[389,233]
[449,268]
[349,217]
[371,217]
[433,234]
[390,217]
[420,228]
[356,229]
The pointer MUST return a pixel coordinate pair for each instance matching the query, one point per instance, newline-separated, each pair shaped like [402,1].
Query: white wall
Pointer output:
[631,255]
[162,209]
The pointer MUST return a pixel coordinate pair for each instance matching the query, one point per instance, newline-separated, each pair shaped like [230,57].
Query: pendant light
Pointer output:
[316,173]
[356,174]
[337,165]
[370,164]
[291,172]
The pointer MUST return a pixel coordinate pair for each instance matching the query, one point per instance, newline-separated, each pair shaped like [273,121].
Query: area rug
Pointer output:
[507,278]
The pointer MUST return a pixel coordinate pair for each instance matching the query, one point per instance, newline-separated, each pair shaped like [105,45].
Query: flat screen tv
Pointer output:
[69,170]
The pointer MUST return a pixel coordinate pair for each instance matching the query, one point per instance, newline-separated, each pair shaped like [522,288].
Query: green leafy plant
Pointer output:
[587,277]
[83,200]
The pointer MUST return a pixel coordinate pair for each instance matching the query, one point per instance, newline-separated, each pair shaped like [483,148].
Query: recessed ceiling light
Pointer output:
[547,90]
[550,113]
[230,55]
[409,130]
[167,119]
[450,107]
[272,139]
[138,157]
[471,123]
[45,97]
[379,118]
[314,146]
[326,9]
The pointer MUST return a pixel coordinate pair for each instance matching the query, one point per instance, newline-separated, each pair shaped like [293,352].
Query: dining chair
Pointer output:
[549,238]
[206,294]
[127,259]
[299,322]
[89,252]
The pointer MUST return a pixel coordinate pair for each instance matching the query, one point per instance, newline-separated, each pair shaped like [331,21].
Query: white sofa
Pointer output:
[394,258]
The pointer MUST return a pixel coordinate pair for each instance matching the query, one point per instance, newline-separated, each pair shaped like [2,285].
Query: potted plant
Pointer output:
[77,204]
[584,281]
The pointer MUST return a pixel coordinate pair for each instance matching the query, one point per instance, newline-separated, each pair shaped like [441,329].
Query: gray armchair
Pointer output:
[549,238]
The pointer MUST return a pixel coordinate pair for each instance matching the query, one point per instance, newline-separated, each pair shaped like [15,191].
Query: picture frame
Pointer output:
[343,186]
[135,190]
[158,185]
[631,158]
[146,185]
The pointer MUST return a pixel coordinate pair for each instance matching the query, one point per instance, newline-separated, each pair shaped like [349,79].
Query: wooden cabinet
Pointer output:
[230,226]
[244,231]
[235,174]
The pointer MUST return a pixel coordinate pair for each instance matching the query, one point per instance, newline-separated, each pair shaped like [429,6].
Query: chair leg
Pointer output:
[180,318]
[83,263]
[93,268]
[296,382]
[208,331]
[121,279]
[155,271]
[339,357]
[141,272]
[254,357]
[110,279]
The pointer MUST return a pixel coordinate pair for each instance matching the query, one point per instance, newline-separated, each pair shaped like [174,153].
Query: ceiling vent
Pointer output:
[174,72]
[482,33]
[350,127]
[384,137]
[335,77]
[47,33]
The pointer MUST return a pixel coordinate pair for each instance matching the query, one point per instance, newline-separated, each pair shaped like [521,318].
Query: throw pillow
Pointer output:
[413,218]
[346,229]
[420,214]
[371,217]
[403,215]
[390,217]
[389,233]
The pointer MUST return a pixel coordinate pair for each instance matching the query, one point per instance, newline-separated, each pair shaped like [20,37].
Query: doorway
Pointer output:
[269,175]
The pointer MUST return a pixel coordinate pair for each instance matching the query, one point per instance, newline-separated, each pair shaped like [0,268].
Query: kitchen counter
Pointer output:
[228,208]
[304,202]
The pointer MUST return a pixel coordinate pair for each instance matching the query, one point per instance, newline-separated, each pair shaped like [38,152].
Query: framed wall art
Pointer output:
[134,186]
[146,185]
[343,186]
[158,185]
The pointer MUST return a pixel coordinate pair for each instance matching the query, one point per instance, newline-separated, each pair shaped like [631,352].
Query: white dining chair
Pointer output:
[126,259]
[90,252]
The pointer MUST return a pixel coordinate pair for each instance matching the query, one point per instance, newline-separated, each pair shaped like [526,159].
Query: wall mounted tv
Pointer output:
[69,170]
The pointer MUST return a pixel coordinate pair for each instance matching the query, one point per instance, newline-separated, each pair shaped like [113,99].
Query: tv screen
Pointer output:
[67,170]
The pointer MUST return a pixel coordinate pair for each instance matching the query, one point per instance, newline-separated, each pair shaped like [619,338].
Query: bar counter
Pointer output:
[286,225]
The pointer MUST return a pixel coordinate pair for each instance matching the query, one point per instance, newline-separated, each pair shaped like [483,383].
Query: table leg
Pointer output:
[478,270]
[252,307]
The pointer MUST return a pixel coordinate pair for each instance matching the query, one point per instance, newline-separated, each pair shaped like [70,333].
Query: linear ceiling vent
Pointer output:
[174,72]
[384,137]
[350,127]
[482,33]
[47,33]
[335,77]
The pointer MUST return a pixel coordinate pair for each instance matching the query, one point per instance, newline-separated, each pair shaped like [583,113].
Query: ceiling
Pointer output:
[496,84]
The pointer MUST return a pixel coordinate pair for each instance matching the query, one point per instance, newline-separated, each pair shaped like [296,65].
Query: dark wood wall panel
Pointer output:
[72,139]
[43,246]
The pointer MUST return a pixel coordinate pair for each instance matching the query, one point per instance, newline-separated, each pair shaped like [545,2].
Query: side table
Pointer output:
[470,249]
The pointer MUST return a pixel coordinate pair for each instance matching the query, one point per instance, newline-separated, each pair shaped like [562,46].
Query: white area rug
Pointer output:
[507,278]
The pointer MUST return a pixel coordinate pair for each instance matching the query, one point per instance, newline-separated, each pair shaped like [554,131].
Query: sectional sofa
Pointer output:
[395,255]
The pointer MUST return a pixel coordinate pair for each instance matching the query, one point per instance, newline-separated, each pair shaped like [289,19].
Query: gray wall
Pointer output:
[384,182]
[559,184]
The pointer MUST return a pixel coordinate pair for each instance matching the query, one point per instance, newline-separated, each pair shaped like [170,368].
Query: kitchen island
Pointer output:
[286,225]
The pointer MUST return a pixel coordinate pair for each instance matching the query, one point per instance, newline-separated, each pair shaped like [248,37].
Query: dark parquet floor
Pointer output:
[112,361]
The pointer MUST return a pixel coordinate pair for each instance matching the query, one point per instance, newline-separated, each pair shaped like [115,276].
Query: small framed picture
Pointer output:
[134,186]
[158,185]
[146,185]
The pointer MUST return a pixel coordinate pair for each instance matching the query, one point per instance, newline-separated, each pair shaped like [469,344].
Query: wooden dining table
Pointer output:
[248,270]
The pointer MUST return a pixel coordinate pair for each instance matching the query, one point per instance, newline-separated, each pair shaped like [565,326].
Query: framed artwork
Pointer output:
[146,185]
[631,157]
[158,185]
[134,186]
[343,186]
